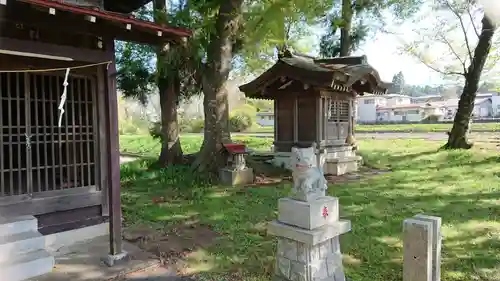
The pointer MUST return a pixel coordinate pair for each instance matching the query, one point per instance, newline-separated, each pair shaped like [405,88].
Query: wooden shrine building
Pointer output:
[65,173]
[315,102]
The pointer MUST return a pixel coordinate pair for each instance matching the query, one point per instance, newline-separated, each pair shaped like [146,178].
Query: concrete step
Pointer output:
[14,225]
[28,265]
[20,243]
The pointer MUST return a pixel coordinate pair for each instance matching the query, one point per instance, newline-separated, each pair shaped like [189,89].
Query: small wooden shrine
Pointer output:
[60,168]
[314,102]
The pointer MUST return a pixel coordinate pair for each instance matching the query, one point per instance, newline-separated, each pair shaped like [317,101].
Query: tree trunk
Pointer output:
[215,75]
[345,28]
[171,151]
[168,86]
[457,138]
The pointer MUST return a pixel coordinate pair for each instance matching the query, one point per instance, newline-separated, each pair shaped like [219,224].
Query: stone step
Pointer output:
[19,243]
[28,265]
[14,225]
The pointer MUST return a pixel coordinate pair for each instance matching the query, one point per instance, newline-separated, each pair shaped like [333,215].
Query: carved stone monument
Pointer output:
[308,225]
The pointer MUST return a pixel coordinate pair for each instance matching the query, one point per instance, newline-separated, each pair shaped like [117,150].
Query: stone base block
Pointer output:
[231,177]
[310,237]
[339,152]
[308,215]
[299,261]
[341,166]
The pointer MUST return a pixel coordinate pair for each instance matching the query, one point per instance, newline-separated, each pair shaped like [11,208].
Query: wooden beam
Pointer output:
[44,205]
[51,50]
[115,237]
[67,22]
[296,118]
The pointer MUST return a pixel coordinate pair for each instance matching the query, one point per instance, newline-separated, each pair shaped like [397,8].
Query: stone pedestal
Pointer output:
[339,160]
[230,176]
[308,240]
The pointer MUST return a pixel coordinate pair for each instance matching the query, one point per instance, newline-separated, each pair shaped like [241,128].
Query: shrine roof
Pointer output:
[121,26]
[346,73]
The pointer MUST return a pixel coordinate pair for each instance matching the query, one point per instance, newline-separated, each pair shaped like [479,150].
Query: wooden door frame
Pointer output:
[37,203]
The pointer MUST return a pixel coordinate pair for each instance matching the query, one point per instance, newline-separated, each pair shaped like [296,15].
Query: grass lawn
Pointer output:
[147,146]
[460,186]
[423,127]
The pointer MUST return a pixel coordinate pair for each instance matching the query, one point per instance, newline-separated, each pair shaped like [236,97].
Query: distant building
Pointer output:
[427,99]
[366,110]
[408,112]
[265,119]
[401,108]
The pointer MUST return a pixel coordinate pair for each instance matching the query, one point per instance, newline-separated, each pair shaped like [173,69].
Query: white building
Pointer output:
[427,99]
[482,108]
[397,99]
[495,106]
[264,119]
[366,110]
[408,112]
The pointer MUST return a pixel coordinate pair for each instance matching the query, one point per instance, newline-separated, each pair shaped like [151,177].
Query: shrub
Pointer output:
[155,130]
[196,126]
[431,118]
[239,121]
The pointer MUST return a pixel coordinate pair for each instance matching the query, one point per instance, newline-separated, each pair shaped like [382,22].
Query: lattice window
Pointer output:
[339,111]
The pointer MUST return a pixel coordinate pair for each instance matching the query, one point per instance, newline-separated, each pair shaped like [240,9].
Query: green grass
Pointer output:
[147,146]
[460,186]
[423,127]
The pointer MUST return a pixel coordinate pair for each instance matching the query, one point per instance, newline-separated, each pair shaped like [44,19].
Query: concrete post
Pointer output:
[422,248]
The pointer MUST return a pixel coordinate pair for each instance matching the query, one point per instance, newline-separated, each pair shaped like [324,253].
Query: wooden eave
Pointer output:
[361,78]
[90,21]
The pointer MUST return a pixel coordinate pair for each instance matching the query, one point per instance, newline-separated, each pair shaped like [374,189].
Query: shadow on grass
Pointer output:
[461,187]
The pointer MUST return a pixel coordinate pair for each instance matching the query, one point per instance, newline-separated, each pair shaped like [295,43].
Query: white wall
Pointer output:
[483,110]
[495,105]
[399,115]
[366,110]
[265,120]
[398,100]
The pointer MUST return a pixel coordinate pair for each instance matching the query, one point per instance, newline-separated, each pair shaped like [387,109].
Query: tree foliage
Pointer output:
[272,26]
[398,83]
[350,22]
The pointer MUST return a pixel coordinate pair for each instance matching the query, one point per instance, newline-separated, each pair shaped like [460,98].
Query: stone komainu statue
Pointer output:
[309,182]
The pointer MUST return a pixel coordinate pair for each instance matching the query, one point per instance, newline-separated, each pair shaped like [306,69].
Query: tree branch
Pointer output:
[438,70]
[464,30]
[472,22]
[454,52]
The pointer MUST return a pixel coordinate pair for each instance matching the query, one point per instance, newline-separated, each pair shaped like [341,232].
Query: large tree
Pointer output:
[173,74]
[465,34]
[242,33]
[350,22]
[214,75]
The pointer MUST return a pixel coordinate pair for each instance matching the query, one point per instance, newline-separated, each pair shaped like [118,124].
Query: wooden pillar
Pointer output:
[354,110]
[115,223]
[319,120]
[275,120]
[102,168]
[296,119]
[350,118]
[326,111]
